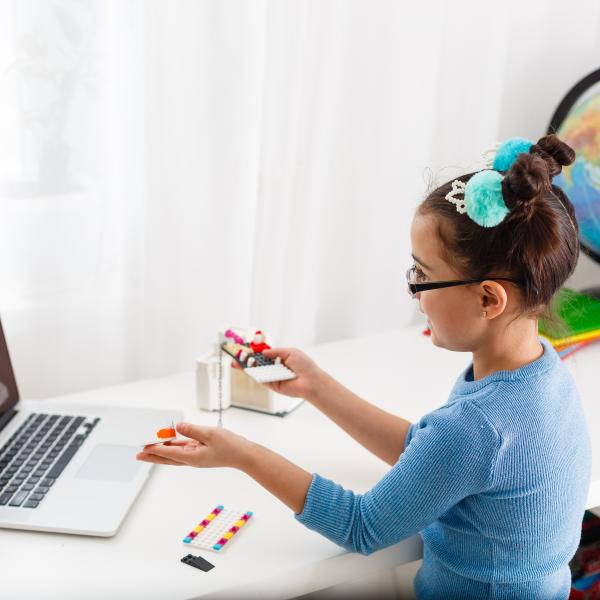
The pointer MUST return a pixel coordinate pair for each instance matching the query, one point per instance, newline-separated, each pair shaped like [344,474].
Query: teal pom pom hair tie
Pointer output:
[482,194]
[483,200]
[508,151]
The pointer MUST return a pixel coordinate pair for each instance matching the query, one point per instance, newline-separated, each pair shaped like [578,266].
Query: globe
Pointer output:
[577,122]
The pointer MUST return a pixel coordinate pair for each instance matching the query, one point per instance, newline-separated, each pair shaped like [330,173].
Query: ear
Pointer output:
[493,298]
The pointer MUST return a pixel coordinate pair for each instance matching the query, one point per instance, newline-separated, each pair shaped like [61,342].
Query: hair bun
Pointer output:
[525,181]
[555,153]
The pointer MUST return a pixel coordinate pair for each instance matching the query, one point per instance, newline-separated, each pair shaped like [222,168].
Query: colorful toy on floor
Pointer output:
[217,528]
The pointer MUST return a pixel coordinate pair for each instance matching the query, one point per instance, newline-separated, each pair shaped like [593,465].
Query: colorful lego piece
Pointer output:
[234,336]
[236,350]
[217,528]
[255,364]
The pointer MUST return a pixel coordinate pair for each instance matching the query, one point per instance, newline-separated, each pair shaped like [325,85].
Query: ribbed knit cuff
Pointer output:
[318,503]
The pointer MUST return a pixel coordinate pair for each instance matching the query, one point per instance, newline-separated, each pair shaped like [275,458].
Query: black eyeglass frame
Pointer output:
[415,288]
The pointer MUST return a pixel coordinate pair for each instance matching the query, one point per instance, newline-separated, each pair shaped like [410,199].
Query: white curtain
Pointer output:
[168,167]
[71,202]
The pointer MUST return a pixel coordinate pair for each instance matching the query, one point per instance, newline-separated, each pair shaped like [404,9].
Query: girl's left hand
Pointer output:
[206,447]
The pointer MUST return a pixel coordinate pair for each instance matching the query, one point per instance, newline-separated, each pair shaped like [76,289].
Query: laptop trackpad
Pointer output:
[109,462]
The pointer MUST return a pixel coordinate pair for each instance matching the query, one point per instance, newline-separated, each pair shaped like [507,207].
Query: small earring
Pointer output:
[484,314]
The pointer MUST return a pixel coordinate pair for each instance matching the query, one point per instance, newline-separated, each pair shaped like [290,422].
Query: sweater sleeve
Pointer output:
[409,434]
[451,454]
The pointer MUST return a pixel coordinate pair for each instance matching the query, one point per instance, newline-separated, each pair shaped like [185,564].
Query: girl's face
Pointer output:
[454,313]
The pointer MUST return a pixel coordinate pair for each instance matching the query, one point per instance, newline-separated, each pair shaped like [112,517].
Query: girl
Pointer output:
[496,479]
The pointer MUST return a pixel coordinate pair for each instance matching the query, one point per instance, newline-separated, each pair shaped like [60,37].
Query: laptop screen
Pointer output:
[9,394]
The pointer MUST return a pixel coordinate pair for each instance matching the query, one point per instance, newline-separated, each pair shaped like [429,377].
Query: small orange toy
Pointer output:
[169,432]
[166,434]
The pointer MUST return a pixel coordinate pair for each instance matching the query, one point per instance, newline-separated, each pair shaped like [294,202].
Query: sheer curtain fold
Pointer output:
[69,191]
[168,167]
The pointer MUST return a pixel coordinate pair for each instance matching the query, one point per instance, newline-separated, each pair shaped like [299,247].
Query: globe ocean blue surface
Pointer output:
[581,180]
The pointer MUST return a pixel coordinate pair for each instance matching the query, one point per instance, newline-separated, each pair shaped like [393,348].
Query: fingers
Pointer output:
[196,432]
[178,442]
[158,460]
[283,353]
[176,454]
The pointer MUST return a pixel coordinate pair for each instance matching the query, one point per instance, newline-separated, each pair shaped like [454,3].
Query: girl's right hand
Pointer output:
[308,374]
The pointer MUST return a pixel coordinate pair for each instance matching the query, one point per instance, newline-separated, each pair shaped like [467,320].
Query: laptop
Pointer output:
[69,468]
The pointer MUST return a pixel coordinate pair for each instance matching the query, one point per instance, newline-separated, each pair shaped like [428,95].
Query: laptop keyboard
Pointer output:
[36,454]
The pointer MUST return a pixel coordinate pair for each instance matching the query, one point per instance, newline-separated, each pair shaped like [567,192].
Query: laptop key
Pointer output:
[43,442]
[62,462]
[18,499]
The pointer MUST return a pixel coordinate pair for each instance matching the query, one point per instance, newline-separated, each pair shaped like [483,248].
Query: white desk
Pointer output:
[275,557]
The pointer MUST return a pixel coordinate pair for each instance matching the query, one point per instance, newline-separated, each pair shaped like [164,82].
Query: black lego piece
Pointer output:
[260,359]
[197,561]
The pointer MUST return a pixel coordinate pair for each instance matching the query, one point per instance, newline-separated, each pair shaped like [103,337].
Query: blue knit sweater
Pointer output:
[495,481]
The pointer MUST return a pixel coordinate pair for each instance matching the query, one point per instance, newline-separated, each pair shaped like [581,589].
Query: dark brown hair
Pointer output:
[537,242]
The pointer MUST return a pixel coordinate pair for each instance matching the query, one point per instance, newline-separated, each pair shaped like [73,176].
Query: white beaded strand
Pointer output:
[458,187]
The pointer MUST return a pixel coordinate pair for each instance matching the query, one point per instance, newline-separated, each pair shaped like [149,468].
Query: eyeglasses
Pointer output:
[414,288]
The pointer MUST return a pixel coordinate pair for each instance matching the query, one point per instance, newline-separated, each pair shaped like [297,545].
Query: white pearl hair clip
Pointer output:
[490,155]
[458,187]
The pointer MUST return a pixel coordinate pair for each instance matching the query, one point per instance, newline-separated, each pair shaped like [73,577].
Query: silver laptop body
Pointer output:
[69,468]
